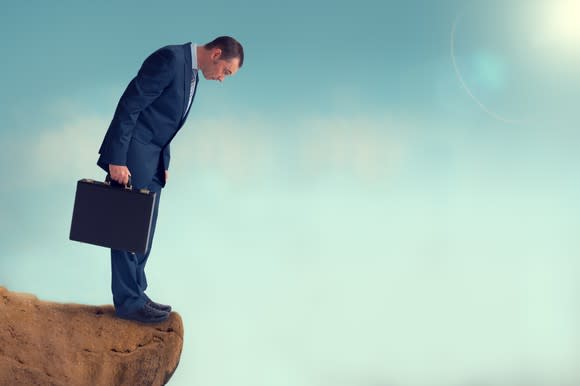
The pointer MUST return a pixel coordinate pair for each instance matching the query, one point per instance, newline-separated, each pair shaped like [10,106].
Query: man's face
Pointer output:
[218,69]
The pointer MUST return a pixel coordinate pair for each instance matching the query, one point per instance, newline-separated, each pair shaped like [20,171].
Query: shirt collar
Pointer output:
[194,56]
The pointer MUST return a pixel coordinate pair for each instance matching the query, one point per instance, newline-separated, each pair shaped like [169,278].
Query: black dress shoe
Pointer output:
[146,314]
[158,306]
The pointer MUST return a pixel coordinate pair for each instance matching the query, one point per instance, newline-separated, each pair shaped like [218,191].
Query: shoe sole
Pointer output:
[166,309]
[148,321]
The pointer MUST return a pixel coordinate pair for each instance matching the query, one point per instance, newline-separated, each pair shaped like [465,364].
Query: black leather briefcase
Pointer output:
[112,215]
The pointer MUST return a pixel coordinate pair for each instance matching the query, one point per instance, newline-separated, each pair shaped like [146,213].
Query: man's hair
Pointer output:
[230,47]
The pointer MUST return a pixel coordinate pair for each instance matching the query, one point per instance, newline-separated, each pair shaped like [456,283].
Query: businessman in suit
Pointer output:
[151,111]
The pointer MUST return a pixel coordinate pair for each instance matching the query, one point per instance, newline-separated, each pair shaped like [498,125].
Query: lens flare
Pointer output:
[486,109]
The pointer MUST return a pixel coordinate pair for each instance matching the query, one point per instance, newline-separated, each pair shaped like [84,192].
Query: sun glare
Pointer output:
[563,23]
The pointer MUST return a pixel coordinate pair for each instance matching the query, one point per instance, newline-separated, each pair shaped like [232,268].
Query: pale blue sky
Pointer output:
[344,210]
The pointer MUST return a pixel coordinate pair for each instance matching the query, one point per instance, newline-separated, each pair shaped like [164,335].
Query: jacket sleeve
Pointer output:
[166,157]
[155,74]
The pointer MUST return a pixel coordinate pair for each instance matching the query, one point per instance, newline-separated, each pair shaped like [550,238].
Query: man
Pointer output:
[152,109]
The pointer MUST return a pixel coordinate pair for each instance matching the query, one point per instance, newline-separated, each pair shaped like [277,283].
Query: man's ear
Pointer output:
[216,53]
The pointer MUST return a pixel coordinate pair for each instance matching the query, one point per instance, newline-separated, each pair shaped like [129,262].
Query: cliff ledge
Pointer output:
[45,343]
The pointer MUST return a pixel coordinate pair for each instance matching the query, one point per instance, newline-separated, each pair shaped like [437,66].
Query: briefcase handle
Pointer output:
[109,181]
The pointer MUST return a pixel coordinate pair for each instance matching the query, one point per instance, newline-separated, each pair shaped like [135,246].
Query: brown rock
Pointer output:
[44,343]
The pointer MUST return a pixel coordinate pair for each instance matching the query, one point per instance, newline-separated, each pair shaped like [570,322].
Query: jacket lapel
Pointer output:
[187,76]
[192,97]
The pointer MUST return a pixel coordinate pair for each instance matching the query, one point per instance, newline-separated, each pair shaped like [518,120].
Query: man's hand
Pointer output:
[119,173]
[166,176]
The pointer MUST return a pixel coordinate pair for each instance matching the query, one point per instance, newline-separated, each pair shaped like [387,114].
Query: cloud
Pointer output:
[53,155]
[237,148]
[361,147]
[70,150]
[367,148]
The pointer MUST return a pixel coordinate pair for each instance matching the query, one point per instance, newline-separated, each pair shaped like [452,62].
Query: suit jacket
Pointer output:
[149,114]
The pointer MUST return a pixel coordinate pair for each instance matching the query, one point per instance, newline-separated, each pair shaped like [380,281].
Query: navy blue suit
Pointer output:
[150,112]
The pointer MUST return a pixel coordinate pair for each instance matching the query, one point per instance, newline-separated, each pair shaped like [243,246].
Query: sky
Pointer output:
[384,195]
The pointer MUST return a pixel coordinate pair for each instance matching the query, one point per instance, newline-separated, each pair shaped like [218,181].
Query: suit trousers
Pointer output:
[129,282]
